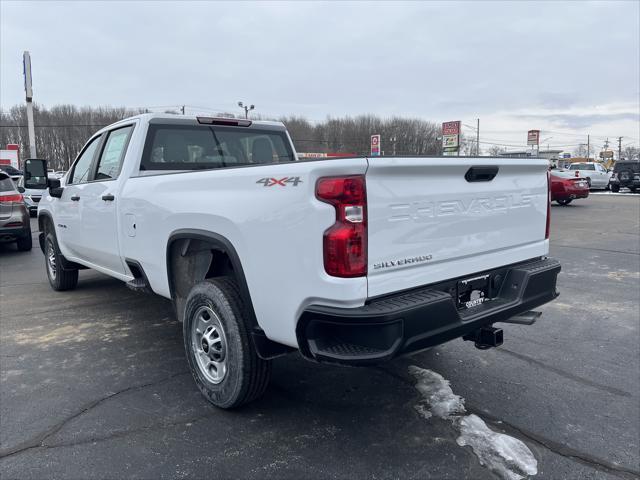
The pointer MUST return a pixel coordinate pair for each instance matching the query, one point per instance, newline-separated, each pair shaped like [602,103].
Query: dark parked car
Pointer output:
[626,173]
[13,172]
[15,224]
[565,187]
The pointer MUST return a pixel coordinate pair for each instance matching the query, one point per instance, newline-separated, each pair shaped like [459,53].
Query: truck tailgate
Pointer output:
[427,222]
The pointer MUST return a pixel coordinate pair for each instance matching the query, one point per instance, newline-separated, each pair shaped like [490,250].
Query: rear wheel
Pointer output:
[219,348]
[565,201]
[59,278]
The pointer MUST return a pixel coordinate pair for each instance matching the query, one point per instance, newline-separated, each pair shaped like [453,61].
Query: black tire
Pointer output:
[59,278]
[565,201]
[25,243]
[247,375]
[615,188]
[589,181]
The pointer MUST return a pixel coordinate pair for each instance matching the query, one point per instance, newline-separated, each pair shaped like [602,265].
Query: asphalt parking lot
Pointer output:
[95,383]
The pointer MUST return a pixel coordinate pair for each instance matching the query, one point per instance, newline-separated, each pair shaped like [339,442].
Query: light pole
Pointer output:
[544,140]
[246,108]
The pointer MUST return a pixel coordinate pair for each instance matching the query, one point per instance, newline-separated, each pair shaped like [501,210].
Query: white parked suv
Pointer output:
[352,261]
[597,176]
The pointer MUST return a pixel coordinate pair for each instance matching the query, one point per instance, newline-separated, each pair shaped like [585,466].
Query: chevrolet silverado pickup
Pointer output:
[352,261]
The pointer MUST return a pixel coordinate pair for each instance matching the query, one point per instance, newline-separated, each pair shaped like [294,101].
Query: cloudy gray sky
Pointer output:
[566,68]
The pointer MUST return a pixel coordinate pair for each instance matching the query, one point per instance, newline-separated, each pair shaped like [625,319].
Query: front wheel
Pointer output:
[615,188]
[564,202]
[589,182]
[219,348]
[59,278]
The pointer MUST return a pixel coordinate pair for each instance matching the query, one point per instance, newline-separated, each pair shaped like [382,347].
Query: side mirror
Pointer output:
[55,190]
[21,189]
[35,174]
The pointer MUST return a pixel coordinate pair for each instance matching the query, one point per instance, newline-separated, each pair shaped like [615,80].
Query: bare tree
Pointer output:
[62,130]
[496,150]
[631,153]
[581,151]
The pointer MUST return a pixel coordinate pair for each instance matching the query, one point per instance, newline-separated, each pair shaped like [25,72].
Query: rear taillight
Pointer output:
[548,227]
[345,242]
[11,198]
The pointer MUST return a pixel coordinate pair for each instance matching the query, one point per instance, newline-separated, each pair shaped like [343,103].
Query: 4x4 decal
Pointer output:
[283,182]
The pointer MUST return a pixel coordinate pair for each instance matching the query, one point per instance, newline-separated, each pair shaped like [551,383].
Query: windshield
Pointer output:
[179,147]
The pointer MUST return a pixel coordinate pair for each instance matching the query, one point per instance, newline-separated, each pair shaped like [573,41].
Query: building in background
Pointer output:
[11,156]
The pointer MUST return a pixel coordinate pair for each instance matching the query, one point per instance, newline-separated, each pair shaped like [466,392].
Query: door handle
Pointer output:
[75,198]
[483,173]
[108,198]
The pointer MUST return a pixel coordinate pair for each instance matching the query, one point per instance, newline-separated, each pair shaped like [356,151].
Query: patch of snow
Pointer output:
[504,455]
[608,192]
[423,411]
[507,456]
[437,392]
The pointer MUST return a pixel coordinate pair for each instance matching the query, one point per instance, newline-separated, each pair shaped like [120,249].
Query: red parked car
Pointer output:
[565,187]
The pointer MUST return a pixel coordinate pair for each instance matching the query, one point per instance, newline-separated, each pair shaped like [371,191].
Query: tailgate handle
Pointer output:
[481,173]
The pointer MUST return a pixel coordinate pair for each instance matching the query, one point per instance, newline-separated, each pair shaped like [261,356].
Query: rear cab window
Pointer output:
[582,166]
[631,166]
[203,147]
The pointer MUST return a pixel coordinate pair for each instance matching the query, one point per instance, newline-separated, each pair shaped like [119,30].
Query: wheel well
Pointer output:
[43,220]
[191,261]
[195,255]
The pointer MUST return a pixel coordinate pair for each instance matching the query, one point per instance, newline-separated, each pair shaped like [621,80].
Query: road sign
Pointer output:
[26,68]
[533,137]
[606,154]
[375,145]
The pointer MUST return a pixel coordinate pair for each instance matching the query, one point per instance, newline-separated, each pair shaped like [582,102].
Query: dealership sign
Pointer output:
[375,145]
[451,128]
[450,141]
[533,137]
[451,136]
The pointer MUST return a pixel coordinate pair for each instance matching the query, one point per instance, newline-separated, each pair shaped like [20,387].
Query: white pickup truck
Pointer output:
[351,260]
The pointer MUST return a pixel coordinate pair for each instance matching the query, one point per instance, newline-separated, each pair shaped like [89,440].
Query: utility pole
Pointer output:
[588,147]
[182,109]
[247,108]
[619,148]
[478,139]
[26,63]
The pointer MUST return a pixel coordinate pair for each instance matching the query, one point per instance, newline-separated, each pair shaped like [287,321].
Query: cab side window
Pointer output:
[82,168]
[113,153]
